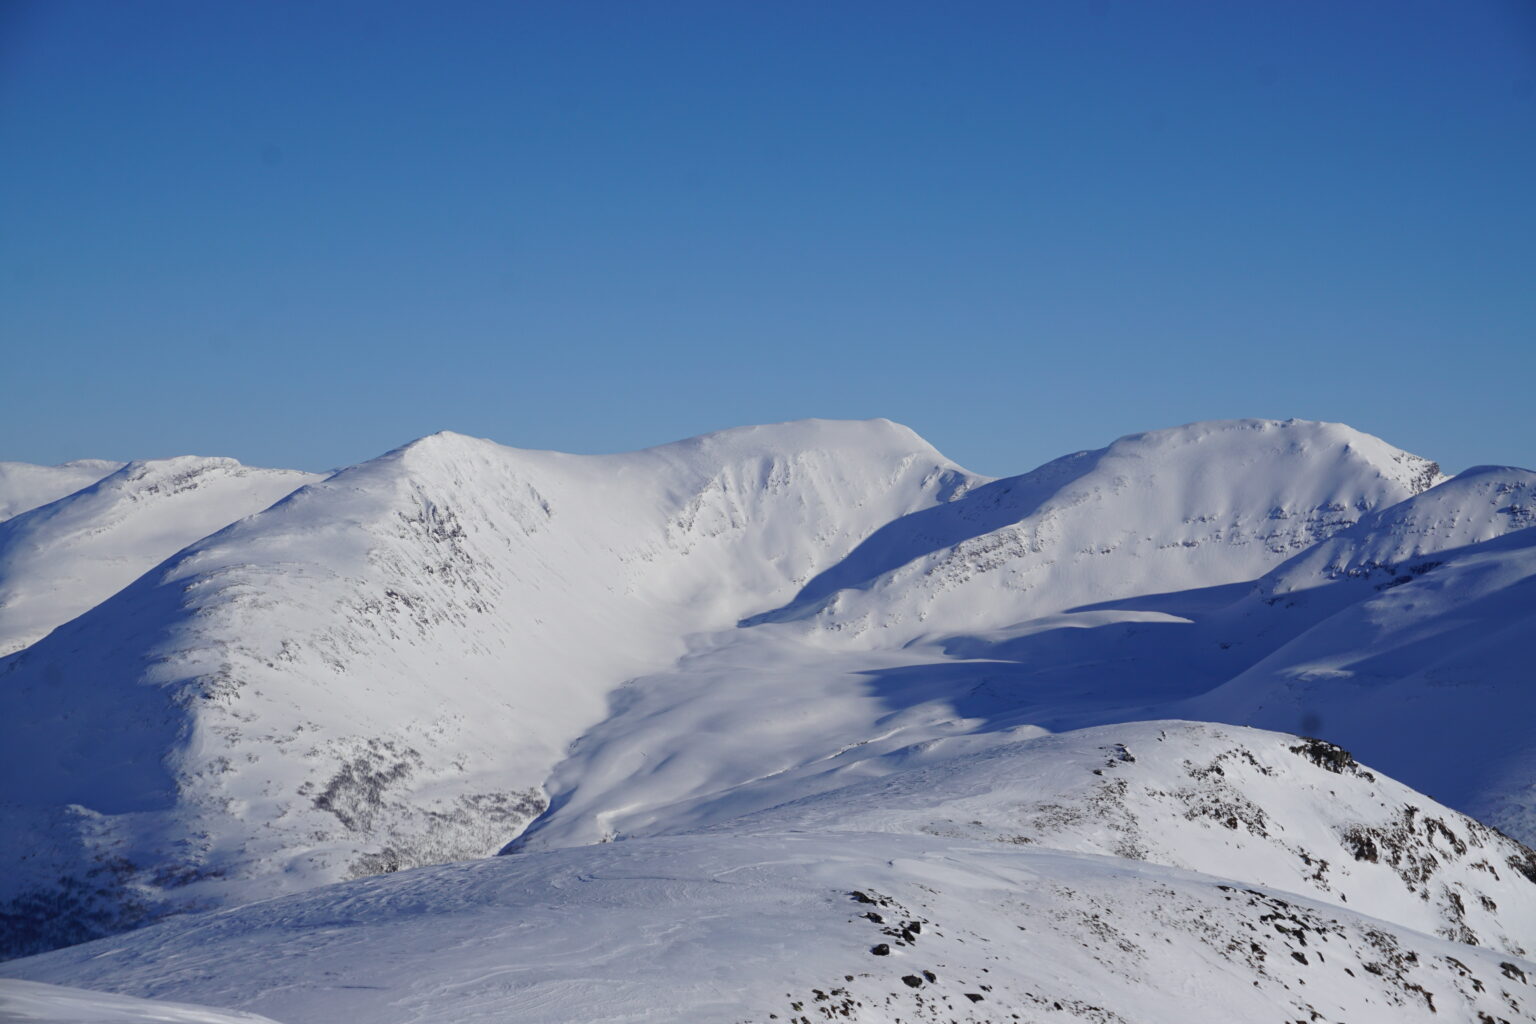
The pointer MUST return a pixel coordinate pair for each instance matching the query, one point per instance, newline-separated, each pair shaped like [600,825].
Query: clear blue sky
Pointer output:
[302,233]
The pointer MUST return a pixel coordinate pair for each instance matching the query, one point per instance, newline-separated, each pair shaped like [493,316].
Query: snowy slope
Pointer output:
[1195,506]
[409,661]
[1427,676]
[24,486]
[62,558]
[1280,811]
[41,1003]
[981,623]
[933,917]
[1426,680]
[1393,545]
[380,670]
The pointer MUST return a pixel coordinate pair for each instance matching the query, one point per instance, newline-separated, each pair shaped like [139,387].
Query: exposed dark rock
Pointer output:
[1524,862]
[1331,757]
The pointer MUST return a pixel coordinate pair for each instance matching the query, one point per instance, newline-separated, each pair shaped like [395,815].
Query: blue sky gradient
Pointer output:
[301,234]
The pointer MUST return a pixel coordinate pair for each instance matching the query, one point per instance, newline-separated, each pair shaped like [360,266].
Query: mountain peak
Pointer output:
[1293,437]
[410,660]
[869,439]
[1197,505]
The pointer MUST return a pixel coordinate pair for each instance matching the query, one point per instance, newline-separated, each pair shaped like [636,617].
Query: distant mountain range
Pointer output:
[725,699]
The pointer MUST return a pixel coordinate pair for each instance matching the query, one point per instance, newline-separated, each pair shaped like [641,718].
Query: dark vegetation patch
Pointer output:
[98,902]
[356,792]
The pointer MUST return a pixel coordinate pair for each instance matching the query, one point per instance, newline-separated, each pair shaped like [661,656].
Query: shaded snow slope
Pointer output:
[62,558]
[987,633]
[24,486]
[40,1003]
[380,670]
[1428,675]
[944,913]
[1424,673]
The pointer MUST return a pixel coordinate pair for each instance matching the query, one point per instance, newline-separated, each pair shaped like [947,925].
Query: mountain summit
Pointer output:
[818,644]
[380,669]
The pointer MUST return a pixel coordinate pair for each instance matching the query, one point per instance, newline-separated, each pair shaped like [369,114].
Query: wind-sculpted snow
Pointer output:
[38,1003]
[807,926]
[380,670]
[1280,811]
[62,558]
[24,486]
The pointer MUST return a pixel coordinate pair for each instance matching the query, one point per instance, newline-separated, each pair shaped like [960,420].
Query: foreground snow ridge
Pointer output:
[60,1004]
[800,722]
[982,895]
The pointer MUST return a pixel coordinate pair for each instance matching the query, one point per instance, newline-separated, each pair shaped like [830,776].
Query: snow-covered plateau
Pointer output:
[800,722]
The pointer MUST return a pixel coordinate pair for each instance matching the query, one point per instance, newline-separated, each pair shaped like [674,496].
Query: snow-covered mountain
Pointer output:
[380,670]
[1195,506]
[980,613]
[956,891]
[64,557]
[1409,637]
[821,643]
[24,486]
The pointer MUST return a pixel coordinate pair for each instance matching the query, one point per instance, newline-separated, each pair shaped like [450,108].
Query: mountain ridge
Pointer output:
[61,558]
[781,919]
[24,485]
[275,667]
[460,644]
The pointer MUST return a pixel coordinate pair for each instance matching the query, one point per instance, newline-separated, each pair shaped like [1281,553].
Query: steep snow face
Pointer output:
[380,670]
[1277,810]
[1196,506]
[38,1003]
[60,559]
[24,486]
[976,899]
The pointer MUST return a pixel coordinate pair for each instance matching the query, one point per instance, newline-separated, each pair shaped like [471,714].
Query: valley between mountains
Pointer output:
[801,722]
